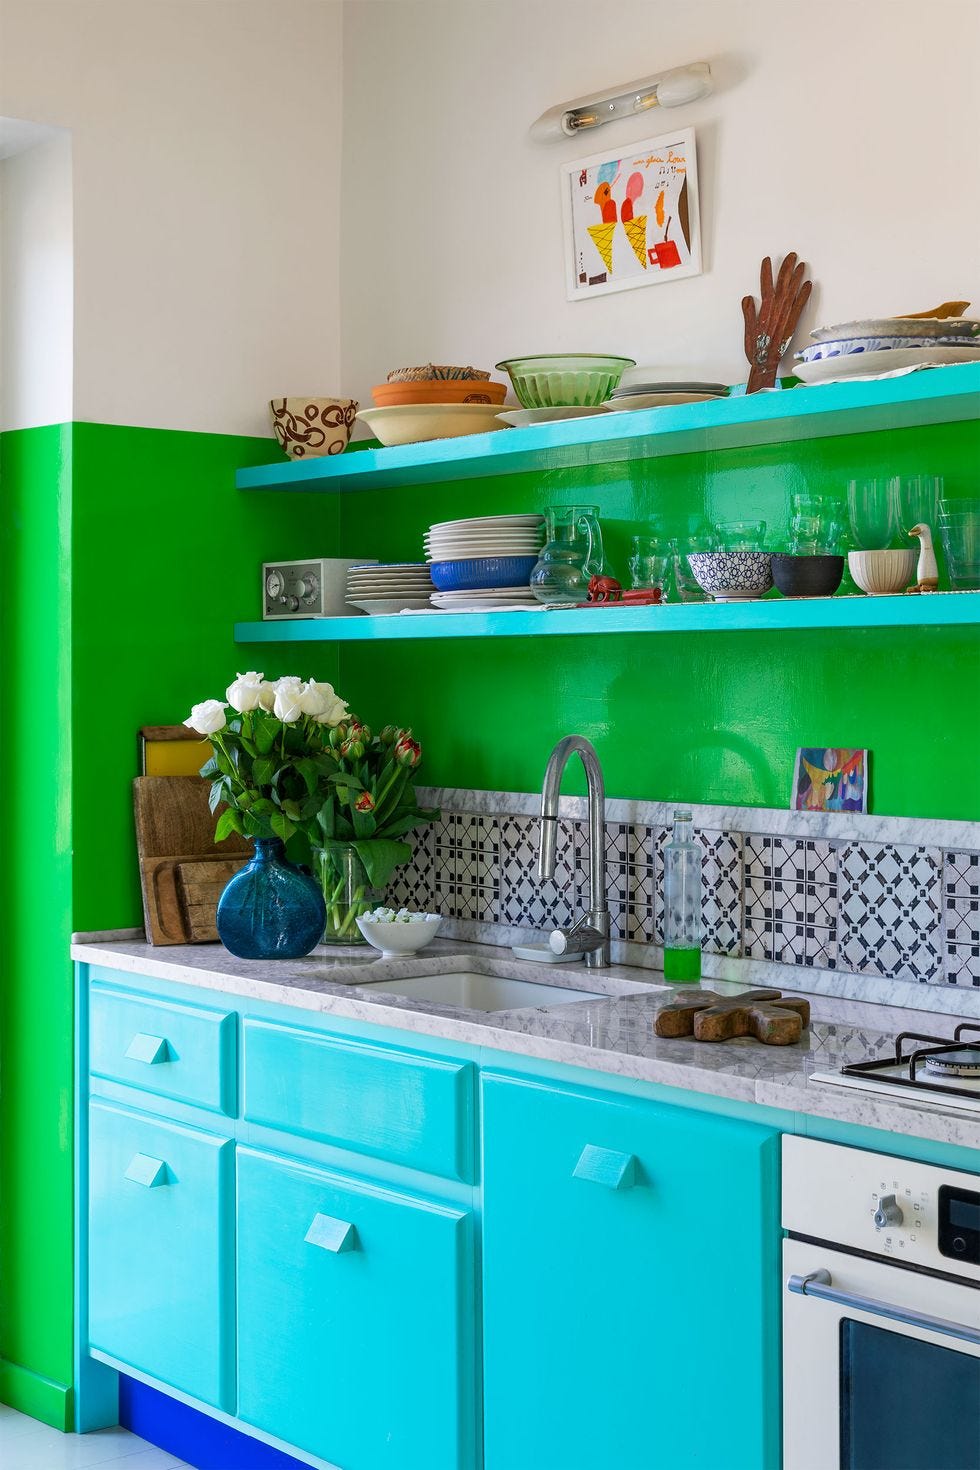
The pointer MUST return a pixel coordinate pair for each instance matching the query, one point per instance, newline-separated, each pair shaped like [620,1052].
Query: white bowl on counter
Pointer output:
[395,939]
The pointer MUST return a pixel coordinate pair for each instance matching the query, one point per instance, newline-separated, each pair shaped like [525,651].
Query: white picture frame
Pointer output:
[630,216]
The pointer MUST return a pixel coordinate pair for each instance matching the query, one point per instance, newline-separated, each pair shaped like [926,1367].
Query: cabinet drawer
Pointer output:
[179,1051]
[408,1109]
[161,1243]
[356,1318]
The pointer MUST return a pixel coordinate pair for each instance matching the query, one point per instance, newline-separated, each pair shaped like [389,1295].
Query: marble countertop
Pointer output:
[612,1034]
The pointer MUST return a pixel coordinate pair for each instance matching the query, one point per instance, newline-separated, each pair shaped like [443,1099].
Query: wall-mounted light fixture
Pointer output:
[667,89]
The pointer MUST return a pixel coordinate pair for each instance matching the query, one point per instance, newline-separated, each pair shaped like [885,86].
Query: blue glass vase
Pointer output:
[271,910]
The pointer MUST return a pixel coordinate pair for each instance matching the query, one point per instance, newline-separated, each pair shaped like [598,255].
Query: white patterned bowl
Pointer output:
[879,572]
[732,576]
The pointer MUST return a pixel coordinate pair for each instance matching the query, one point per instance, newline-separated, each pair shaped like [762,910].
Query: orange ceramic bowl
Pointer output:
[438,390]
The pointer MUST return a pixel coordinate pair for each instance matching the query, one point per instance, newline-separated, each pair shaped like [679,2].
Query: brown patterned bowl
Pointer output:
[309,427]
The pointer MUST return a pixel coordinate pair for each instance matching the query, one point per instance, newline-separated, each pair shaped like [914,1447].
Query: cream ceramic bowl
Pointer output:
[412,423]
[879,572]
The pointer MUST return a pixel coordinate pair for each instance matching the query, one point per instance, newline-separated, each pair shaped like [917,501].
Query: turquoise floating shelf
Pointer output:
[935,609]
[938,396]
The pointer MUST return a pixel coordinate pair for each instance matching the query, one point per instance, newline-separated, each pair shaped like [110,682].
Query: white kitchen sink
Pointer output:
[476,992]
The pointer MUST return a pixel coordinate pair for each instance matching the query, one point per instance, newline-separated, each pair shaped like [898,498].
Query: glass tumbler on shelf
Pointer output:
[959,530]
[572,554]
[917,499]
[742,535]
[872,507]
[648,562]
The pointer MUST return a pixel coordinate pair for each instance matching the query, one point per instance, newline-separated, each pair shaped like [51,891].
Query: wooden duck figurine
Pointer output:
[926,573]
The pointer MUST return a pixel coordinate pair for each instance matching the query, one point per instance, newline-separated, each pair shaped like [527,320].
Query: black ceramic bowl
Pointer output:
[807,576]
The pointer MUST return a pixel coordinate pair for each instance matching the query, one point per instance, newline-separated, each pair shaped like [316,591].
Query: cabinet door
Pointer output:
[631,1310]
[355,1318]
[161,1242]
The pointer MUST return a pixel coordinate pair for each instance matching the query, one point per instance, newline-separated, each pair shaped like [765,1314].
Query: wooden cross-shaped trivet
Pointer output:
[768,1015]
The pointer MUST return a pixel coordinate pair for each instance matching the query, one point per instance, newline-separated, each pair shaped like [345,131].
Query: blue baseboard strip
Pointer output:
[203,1442]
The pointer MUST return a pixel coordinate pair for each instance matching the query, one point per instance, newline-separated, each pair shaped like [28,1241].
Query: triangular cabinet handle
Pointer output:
[606,1166]
[147,1171]
[331,1235]
[149,1049]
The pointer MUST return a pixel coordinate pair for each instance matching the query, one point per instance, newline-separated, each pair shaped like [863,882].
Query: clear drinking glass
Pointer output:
[873,511]
[701,536]
[961,543]
[648,562]
[917,498]
[743,535]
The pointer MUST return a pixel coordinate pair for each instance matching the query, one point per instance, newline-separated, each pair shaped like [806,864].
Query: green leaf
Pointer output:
[380,858]
[291,808]
[263,770]
[210,769]
[229,821]
[249,746]
[327,818]
[216,796]
[265,733]
[364,823]
[401,822]
[347,778]
[308,770]
[263,807]
[282,826]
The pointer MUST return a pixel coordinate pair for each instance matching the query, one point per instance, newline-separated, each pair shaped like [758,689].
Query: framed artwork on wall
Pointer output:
[828,779]
[631,217]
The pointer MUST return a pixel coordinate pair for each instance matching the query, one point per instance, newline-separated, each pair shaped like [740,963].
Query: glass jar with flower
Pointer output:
[359,838]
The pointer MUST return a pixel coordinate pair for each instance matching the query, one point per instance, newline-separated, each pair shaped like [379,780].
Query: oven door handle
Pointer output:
[821,1284]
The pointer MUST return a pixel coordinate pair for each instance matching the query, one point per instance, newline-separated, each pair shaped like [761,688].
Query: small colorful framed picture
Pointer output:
[631,218]
[830,780]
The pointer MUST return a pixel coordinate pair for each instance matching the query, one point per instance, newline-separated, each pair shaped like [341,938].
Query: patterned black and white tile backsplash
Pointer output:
[890,909]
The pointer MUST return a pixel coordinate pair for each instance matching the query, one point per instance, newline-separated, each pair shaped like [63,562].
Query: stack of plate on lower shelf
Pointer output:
[662,395]
[483,561]
[389,587]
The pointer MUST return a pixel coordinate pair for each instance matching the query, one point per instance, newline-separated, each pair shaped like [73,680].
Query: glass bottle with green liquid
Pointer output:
[682,903]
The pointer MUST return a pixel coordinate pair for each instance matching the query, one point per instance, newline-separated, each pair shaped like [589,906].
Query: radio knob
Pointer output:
[301,587]
[889,1212]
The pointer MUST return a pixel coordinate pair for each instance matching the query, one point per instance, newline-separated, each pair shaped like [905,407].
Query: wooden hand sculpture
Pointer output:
[769,330]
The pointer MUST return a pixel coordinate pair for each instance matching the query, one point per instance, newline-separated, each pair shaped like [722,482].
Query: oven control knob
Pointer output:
[889,1212]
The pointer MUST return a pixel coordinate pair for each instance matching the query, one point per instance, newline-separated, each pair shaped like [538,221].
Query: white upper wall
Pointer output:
[845,131]
[35,278]
[206,143]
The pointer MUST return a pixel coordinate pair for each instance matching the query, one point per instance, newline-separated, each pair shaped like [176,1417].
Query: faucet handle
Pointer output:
[580,936]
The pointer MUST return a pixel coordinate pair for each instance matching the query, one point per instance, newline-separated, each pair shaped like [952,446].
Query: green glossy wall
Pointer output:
[685,717]
[126,555]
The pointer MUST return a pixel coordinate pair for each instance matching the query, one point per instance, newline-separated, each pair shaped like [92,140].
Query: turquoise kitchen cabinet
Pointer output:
[356,1318]
[161,1242]
[398,1105]
[631,1288]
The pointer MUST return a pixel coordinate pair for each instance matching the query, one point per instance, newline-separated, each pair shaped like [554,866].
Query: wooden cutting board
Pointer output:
[182,869]
[768,1015]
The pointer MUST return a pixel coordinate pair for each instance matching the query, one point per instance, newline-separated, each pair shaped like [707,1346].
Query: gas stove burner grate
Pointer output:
[940,1057]
[954,1062]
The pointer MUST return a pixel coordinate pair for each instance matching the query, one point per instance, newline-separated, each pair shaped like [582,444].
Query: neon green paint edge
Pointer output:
[39,1397]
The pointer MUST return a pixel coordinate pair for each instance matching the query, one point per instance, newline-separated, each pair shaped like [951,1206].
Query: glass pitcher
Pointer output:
[572,554]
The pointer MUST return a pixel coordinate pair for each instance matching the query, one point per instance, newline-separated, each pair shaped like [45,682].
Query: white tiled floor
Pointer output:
[27,1445]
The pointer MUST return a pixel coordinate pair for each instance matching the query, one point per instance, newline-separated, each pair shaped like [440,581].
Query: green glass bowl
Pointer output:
[581,381]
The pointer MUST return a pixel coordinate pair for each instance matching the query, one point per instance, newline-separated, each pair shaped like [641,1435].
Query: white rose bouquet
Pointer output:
[271,761]
[291,758]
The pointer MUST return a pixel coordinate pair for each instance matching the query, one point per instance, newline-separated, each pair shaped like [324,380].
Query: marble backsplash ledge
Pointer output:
[888,901]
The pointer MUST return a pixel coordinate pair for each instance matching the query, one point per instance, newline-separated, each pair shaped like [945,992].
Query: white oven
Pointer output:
[881,1312]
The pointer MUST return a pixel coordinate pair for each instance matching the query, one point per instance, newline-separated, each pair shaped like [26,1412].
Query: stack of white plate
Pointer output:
[389,587]
[663,395]
[487,599]
[484,536]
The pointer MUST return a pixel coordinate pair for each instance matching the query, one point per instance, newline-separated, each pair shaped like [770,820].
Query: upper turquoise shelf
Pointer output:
[937,396]
[768,615]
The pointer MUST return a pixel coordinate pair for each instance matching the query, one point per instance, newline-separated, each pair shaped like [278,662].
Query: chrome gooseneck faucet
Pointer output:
[591,932]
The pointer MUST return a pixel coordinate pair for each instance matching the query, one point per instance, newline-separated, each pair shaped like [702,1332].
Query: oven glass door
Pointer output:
[906,1404]
[873,1388]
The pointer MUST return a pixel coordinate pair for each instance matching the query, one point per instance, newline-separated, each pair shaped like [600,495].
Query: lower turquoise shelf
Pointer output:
[771,614]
